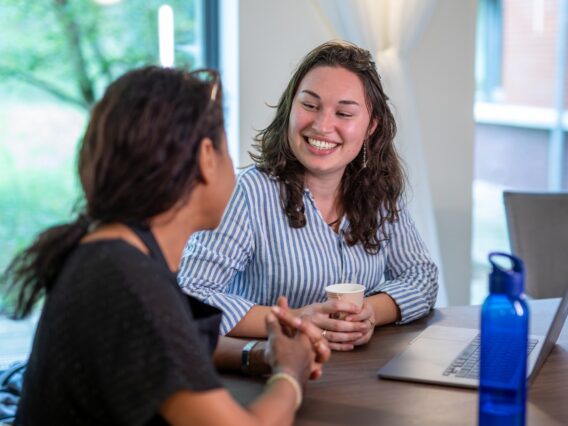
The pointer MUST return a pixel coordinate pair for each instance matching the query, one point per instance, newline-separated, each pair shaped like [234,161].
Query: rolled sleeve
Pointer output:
[411,277]
[211,259]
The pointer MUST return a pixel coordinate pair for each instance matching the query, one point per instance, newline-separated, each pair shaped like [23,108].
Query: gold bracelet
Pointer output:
[290,379]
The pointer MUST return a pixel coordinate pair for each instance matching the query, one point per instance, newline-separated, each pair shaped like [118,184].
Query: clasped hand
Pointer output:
[342,334]
[295,343]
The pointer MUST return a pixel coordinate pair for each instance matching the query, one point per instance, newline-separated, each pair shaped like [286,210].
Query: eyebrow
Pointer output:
[344,102]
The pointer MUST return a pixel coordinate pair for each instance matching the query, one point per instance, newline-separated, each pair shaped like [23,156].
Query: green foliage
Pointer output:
[73,49]
[56,59]
[38,187]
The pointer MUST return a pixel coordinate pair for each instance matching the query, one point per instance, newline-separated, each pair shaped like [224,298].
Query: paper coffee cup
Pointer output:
[347,292]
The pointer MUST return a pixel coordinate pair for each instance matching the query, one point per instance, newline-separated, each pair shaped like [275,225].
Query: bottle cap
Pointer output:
[507,281]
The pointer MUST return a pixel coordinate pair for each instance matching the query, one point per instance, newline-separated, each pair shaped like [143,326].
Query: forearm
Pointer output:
[252,324]
[276,406]
[386,310]
[228,356]
[414,291]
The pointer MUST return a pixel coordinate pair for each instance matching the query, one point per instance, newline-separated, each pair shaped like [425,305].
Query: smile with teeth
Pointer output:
[318,144]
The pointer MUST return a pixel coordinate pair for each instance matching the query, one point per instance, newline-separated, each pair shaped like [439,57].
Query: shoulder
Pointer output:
[115,255]
[116,284]
[400,211]
[253,174]
[113,268]
[255,182]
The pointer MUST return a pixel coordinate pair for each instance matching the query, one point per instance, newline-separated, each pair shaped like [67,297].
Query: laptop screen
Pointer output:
[552,335]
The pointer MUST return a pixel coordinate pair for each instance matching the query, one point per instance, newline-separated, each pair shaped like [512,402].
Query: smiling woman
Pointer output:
[329,123]
[117,341]
[323,205]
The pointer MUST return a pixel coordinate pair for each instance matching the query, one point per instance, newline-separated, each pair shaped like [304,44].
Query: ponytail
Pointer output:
[31,273]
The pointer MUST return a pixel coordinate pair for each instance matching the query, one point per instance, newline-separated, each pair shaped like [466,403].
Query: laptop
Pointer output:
[450,355]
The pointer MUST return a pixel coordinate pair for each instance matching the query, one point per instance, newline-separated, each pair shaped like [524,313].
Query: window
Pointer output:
[521,121]
[56,58]
[489,49]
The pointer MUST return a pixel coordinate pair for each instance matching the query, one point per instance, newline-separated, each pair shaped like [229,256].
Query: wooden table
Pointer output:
[350,393]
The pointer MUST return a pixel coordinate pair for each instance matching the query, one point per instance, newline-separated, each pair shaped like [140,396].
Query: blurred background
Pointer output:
[478,86]
[57,57]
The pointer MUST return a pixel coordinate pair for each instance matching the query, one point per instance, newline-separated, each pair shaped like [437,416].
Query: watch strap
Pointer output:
[245,356]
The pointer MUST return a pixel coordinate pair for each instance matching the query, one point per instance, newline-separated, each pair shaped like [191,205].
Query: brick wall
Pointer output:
[529,38]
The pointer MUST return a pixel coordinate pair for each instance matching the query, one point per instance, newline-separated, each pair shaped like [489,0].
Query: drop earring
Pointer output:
[364,155]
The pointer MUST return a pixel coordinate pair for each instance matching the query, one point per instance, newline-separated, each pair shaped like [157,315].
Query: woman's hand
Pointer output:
[292,325]
[367,315]
[293,355]
[343,335]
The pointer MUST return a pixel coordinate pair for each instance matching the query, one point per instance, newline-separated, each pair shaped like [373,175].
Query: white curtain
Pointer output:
[390,29]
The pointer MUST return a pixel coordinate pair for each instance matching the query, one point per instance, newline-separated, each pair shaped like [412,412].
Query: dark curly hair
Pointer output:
[138,158]
[369,195]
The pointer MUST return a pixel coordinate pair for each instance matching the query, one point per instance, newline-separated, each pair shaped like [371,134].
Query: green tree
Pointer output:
[73,49]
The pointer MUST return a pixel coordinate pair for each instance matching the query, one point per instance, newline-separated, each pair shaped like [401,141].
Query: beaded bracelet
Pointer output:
[290,379]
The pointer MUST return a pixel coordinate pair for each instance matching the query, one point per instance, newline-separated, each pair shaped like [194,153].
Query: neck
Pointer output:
[324,187]
[173,228]
[172,241]
[326,193]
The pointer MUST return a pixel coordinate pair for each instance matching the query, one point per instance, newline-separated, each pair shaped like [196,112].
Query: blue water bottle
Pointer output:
[504,340]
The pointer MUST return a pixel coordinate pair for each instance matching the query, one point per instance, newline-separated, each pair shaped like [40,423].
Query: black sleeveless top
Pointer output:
[207,317]
[115,339]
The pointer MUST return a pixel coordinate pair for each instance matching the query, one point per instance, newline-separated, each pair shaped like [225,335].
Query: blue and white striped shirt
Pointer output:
[254,256]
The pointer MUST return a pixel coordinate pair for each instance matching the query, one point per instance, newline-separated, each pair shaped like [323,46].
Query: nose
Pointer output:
[323,122]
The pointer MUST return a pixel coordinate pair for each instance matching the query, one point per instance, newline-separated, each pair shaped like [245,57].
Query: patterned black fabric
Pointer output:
[116,337]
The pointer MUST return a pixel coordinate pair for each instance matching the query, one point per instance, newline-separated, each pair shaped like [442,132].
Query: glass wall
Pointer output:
[56,58]
[521,90]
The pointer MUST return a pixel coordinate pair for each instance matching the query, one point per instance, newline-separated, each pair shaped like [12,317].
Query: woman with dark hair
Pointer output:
[117,341]
[322,205]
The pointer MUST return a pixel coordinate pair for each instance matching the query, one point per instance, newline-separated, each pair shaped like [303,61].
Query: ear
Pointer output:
[207,160]
[372,127]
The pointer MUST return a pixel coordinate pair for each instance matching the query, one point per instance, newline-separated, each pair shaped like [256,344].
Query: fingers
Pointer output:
[366,313]
[341,346]
[273,326]
[288,320]
[363,339]
[343,326]
[286,317]
[340,335]
[319,343]
[322,350]
[314,325]
[333,306]
[335,337]
[282,302]
[307,328]
[317,371]
[311,330]
[315,374]
[363,316]
[324,321]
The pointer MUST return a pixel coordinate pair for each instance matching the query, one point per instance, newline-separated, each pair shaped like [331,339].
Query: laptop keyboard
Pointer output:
[466,364]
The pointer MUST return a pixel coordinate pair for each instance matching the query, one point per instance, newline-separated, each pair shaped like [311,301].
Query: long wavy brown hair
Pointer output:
[138,158]
[369,190]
